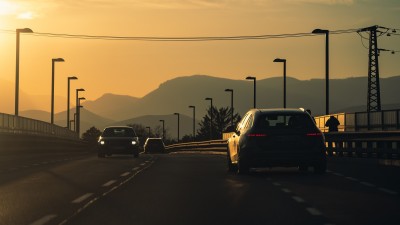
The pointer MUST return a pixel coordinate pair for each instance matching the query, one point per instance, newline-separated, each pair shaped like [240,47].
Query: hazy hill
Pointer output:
[177,94]
[111,106]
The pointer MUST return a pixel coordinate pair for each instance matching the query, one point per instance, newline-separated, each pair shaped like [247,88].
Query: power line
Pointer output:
[198,38]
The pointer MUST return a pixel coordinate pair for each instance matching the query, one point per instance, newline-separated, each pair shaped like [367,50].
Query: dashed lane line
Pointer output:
[82,198]
[286,190]
[109,183]
[367,184]
[276,184]
[135,168]
[125,174]
[388,191]
[352,179]
[298,199]
[314,211]
[44,220]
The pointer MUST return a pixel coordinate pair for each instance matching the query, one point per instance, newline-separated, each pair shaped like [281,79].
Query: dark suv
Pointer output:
[118,140]
[276,137]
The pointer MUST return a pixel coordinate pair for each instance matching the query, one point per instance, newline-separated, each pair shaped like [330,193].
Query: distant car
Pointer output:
[276,137]
[154,145]
[118,140]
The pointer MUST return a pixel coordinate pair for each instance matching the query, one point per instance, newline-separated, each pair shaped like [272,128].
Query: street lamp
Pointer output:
[163,129]
[231,91]
[70,123]
[149,130]
[254,79]
[284,79]
[18,31]
[77,120]
[68,98]
[178,124]
[326,32]
[194,121]
[52,86]
[211,117]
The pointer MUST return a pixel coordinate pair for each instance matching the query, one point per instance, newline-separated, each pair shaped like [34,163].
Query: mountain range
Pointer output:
[174,96]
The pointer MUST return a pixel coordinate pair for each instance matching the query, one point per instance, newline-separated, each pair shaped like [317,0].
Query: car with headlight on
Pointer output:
[118,140]
[276,138]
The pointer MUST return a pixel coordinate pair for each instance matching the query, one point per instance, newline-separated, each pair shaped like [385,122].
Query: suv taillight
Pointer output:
[317,134]
[256,135]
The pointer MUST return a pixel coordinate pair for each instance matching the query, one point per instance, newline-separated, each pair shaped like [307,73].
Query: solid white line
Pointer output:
[286,190]
[125,174]
[368,184]
[44,220]
[388,191]
[276,184]
[314,211]
[298,199]
[82,198]
[109,183]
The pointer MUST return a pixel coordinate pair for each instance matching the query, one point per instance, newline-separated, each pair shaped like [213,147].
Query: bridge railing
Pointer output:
[21,125]
[384,120]
[213,145]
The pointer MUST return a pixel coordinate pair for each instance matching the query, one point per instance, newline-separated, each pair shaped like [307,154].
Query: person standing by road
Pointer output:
[332,123]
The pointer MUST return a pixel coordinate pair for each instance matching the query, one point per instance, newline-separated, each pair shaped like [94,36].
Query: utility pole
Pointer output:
[374,94]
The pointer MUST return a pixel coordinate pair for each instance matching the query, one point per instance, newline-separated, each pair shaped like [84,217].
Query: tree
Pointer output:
[91,135]
[140,131]
[221,120]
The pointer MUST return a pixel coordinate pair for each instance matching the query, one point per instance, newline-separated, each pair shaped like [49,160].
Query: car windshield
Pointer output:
[284,121]
[119,132]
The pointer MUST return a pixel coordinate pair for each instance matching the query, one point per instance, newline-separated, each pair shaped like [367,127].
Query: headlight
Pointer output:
[102,142]
[134,142]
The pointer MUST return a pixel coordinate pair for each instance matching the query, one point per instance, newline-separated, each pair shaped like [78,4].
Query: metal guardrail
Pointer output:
[363,121]
[377,144]
[21,125]
[214,145]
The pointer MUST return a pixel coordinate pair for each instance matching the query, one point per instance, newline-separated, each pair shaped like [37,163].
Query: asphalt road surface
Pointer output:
[191,188]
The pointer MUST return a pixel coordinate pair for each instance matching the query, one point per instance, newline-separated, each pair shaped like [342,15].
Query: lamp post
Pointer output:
[18,31]
[70,123]
[77,122]
[194,121]
[254,79]
[178,124]
[284,79]
[79,115]
[163,130]
[326,32]
[148,131]
[68,98]
[231,91]
[52,86]
[211,117]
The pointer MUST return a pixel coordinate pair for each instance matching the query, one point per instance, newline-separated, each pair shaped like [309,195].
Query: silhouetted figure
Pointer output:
[332,123]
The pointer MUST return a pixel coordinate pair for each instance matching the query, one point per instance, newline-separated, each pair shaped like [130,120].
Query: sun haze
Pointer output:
[137,67]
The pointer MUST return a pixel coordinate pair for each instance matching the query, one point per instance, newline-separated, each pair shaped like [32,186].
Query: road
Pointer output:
[191,188]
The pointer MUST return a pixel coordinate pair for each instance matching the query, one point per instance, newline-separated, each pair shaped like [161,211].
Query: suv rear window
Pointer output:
[119,132]
[284,121]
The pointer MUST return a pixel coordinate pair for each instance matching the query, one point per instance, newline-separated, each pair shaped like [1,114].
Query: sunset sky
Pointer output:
[136,67]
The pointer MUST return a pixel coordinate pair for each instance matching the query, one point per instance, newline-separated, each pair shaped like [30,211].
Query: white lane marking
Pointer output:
[44,220]
[82,198]
[143,164]
[135,168]
[276,184]
[125,174]
[109,183]
[314,211]
[329,171]
[338,174]
[388,191]
[298,199]
[367,184]
[286,190]
[351,178]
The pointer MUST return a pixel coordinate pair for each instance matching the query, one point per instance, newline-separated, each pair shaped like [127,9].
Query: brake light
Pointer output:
[314,134]
[257,135]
